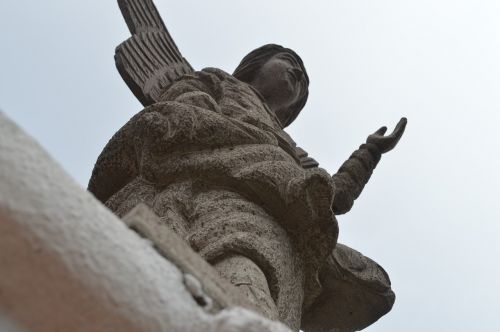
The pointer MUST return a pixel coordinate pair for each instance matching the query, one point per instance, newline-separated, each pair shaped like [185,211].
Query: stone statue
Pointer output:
[209,155]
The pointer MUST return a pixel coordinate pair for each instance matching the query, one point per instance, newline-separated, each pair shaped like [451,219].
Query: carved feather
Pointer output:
[149,61]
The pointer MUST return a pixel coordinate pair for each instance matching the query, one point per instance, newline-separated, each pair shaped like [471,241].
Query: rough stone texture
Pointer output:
[210,157]
[203,281]
[147,76]
[357,291]
[240,213]
[220,171]
[68,264]
[211,161]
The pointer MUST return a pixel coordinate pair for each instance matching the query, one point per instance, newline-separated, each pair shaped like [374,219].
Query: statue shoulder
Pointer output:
[216,71]
[221,75]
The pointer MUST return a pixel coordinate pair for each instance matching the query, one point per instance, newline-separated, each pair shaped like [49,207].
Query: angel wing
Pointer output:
[149,61]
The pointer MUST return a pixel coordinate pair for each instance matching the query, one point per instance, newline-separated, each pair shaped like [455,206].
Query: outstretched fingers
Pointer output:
[381,131]
[400,128]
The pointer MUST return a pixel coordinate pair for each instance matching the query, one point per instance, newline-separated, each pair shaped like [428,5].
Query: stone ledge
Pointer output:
[68,264]
[220,292]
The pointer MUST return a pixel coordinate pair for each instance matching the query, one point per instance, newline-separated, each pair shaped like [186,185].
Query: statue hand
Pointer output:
[387,143]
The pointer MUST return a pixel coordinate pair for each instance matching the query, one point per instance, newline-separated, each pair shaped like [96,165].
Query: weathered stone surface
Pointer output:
[149,61]
[227,181]
[68,264]
[221,293]
[210,157]
[356,293]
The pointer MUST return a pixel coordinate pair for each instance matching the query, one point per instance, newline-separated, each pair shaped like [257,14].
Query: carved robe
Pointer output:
[213,163]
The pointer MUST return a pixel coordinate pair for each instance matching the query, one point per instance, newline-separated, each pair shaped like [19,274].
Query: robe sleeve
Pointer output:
[353,175]
[199,89]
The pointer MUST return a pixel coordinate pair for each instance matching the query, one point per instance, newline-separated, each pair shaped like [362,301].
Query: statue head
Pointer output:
[279,75]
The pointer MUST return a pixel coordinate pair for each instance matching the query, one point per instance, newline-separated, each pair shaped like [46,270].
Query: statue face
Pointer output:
[280,81]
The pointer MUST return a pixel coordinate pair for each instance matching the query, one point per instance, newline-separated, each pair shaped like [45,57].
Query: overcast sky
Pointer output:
[430,214]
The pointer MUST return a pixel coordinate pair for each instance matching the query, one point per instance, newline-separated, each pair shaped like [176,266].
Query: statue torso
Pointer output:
[211,147]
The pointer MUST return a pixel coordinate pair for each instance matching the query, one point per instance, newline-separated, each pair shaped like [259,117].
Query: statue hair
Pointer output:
[250,65]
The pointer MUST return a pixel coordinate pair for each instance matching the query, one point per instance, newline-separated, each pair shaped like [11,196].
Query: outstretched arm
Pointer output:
[354,173]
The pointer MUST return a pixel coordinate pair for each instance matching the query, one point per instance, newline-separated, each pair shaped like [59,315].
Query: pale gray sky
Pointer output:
[429,215]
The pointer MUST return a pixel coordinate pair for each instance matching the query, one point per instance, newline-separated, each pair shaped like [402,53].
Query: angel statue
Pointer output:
[210,156]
